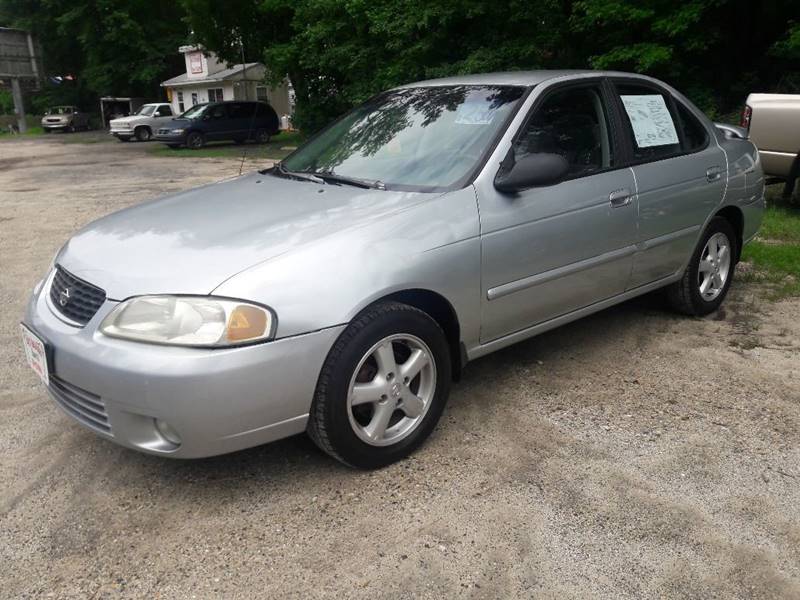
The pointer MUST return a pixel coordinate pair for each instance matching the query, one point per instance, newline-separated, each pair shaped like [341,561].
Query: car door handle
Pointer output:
[620,198]
[713,174]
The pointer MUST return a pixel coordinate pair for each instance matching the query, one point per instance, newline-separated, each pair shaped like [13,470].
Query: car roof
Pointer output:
[518,78]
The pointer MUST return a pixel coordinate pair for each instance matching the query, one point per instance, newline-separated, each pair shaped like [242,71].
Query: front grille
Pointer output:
[75,298]
[86,407]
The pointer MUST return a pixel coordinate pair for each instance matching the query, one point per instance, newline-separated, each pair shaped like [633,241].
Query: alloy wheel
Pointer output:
[391,390]
[715,266]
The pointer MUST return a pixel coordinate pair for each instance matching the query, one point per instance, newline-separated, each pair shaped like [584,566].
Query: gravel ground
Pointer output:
[632,454]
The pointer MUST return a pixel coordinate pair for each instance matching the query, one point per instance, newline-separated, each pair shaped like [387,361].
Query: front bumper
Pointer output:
[170,138]
[217,401]
[126,133]
[60,125]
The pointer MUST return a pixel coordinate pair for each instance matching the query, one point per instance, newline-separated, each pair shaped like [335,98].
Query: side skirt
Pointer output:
[529,332]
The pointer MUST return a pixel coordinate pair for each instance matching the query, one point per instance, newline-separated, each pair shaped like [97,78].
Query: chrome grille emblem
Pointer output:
[63,297]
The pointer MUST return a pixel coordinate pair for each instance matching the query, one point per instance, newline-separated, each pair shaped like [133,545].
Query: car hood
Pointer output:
[190,242]
[128,119]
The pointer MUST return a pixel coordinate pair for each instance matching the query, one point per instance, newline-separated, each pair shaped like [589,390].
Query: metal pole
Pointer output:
[19,108]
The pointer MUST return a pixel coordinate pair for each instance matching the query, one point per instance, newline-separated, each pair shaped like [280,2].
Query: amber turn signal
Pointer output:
[245,323]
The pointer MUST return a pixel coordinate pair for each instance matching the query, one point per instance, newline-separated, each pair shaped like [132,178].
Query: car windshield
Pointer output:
[414,138]
[60,110]
[194,112]
[146,110]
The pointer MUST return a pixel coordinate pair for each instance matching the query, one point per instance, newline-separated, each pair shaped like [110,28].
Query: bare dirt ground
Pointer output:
[632,454]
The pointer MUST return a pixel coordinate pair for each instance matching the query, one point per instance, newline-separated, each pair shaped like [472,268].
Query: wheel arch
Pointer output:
[440,310]
[138,127]
[734,216]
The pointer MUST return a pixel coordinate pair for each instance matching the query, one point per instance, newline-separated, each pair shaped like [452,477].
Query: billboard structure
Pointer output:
[20,67]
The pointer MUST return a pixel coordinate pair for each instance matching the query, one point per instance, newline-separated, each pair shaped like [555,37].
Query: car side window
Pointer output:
[650,122]
[218,112]
[572,123]
[164,111]
[695,136]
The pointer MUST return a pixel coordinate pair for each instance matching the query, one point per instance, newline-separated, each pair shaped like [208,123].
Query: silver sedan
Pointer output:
[343,290]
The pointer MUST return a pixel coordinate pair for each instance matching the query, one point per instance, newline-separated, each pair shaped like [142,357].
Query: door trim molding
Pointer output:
[518,285]
[513,338]
[667,238]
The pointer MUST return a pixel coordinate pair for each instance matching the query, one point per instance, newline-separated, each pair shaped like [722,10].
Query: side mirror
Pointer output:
[530,171]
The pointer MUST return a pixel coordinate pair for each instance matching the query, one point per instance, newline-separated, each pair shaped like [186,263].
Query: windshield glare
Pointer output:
[413,138]
[194,112]
[146,110]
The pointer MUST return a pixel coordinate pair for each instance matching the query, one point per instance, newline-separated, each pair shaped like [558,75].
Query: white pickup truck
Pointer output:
[142,124]
[773,125]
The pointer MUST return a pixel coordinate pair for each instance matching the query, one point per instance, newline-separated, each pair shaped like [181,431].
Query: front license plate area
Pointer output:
[36,354]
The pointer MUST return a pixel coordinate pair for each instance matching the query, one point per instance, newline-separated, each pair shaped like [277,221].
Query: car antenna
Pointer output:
[255,107]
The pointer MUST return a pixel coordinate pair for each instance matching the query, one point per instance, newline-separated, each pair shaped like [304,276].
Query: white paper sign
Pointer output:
[478,112]
[651,121]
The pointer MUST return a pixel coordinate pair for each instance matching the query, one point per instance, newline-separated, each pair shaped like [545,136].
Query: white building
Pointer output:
[208,80]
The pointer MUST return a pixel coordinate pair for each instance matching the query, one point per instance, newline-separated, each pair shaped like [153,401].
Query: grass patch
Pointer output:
[32,130]
[781,223]
[274,150]
[775,254]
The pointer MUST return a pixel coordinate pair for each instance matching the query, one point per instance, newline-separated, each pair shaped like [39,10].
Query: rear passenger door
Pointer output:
[680,176]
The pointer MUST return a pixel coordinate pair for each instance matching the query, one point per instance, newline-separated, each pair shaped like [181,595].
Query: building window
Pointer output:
[261,93]
[215,95]
[181,107]
[194,98]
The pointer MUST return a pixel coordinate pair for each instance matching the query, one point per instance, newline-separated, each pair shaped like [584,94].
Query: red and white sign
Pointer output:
[35,353]
[196,63]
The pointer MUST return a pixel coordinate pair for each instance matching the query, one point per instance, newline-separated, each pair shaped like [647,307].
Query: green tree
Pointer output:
[116,47]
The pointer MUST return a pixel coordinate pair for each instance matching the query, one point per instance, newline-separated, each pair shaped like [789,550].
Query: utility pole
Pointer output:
[19,106]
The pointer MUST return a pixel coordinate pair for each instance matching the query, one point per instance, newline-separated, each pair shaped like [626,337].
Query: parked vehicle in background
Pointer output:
[64,118]
[236,121]
[341,291]
[773,124]
[143,123]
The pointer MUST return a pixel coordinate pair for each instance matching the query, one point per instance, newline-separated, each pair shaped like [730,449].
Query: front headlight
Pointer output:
[189,321]
[177,131]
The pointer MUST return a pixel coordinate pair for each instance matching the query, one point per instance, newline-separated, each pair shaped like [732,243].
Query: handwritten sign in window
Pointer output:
[651,121]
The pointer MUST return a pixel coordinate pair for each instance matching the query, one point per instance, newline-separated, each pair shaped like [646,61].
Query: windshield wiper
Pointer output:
[358,182]
[304,175]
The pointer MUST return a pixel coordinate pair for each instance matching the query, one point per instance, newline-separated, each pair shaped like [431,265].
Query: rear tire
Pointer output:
[373,357]
[708,277]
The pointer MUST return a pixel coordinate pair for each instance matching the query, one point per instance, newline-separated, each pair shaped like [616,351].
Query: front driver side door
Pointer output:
[551,250]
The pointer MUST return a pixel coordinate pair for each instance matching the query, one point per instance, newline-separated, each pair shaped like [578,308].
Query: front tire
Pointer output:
[382,388]
[707,279]
[262,136]
[143,134]
[195,140]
